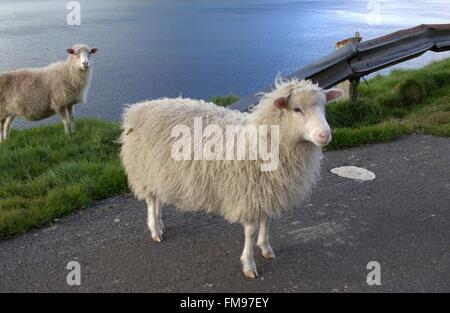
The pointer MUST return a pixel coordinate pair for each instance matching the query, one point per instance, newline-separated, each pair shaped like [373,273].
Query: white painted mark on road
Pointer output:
[320,231]
[354,172]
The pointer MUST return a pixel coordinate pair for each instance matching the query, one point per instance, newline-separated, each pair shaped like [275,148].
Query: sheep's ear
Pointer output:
[70,51]
[333,94]
[93,50]
[280,103]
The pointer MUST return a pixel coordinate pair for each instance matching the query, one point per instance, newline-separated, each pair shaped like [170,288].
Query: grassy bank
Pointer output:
[45,174]
[403,102]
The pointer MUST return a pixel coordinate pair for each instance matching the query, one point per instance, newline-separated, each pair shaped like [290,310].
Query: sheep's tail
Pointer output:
[130,120]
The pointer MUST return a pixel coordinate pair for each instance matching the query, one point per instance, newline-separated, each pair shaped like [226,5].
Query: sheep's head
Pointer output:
[81,55]
[305,113]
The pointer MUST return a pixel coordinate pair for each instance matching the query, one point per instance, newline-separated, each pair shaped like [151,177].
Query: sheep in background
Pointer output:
[37,93]
[237,190]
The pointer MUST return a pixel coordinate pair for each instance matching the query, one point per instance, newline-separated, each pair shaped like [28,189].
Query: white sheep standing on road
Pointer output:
[37,93]
[235,189]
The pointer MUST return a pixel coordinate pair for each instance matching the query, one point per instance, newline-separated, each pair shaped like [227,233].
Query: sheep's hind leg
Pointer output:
[153,206]
[161,227]
[248,261]
[263,239]
[71,119]
[7,126]
[2,122]
[65,117]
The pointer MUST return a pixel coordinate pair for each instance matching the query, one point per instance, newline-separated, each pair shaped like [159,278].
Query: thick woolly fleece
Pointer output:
[237,190]
[37,93]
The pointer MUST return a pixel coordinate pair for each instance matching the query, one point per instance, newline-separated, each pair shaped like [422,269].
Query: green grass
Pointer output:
[405,101]
[46,174]
[224,101]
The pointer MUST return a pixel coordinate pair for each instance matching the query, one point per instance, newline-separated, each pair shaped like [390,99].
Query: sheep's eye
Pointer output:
[298,110]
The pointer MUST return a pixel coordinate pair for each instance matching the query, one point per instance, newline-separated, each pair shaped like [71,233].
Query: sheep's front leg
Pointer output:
[153,218]
[71,119]
[65,117]
[248,261]
[263,239]
[2,122]
[7,126]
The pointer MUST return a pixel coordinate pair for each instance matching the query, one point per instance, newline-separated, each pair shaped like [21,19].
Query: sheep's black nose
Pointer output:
[85,64]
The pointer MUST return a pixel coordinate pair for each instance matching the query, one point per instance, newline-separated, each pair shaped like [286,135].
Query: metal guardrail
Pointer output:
[355,60]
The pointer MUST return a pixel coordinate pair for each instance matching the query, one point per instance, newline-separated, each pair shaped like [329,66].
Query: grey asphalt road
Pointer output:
[400,219]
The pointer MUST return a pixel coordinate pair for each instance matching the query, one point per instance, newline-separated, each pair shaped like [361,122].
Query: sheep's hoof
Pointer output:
[249,267]
[157,238]
[251,274]
[266,251]
[268,254]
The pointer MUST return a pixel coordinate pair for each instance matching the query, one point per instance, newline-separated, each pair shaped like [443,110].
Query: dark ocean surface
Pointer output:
[152,49]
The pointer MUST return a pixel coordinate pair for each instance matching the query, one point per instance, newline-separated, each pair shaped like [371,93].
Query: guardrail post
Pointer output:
[350,87]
